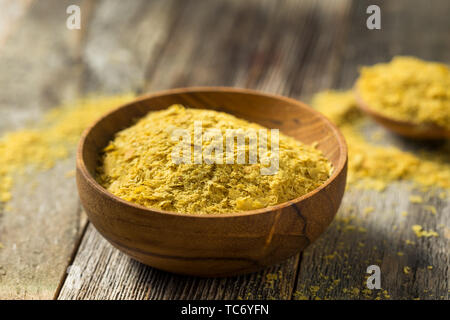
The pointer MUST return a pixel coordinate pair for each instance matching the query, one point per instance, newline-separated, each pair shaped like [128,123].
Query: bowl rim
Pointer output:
[81,166]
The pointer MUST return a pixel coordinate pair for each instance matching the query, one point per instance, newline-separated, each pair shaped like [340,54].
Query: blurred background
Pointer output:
[291,47]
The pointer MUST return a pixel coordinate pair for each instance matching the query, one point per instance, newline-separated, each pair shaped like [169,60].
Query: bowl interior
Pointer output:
[291,117]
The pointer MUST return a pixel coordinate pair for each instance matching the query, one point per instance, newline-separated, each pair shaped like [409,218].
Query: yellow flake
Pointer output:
[415,199]
[349,227]
[431,209]
[300,296]
[314,289]
[406,270]
[420,232]
[52,139]
[331,256]
[139,168]
[5,196]
[70,174]
[404,213]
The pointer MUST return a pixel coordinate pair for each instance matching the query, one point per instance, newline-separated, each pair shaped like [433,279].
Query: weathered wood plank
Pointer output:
[39,230]
[276,47]
[121,40]
[37,64]
[11,13]
[335,266]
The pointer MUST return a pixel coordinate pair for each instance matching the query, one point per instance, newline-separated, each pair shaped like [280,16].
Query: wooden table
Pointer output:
[294,48]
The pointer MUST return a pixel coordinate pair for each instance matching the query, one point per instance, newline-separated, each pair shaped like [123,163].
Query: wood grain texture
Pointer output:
[43,63]
[283,62]
[39,231]
[335,266]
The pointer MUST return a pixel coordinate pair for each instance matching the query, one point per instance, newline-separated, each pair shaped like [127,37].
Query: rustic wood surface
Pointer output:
[295,48]
[39,232]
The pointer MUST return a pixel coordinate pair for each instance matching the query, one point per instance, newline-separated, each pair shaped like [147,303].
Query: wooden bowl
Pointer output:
[215,244]
[403,128]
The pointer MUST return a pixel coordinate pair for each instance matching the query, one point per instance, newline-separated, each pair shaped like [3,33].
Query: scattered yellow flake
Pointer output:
[404,213]
[374,166]
[368,210]
[420,232]
[431,209]
[70,174]
[52,139]
[367,292]
[409,242]
[400,254]
[406,270]
[415,199]
[332,256]
[270,280]
[323,276]
[1,245]
[314,289]
[300,296]
[349,227]
[430,267]
[5,196]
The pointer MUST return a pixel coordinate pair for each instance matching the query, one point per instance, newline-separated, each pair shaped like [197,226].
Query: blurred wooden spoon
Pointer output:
[403,128]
